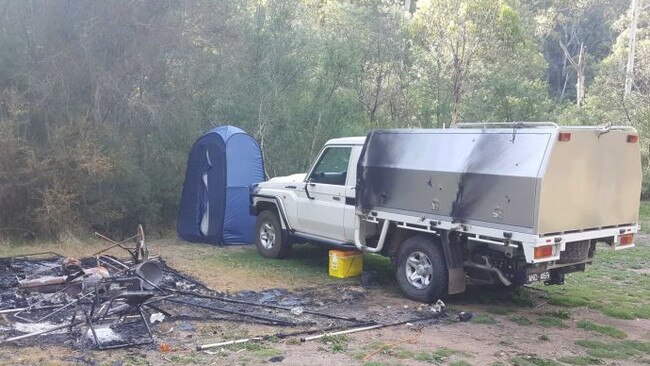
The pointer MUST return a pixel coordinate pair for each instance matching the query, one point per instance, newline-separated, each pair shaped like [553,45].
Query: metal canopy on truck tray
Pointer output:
[540,180]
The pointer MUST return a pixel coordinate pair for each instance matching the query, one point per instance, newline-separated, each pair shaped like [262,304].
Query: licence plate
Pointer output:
[541,276]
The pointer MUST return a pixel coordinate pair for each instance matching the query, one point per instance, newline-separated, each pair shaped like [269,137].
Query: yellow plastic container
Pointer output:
[345,263]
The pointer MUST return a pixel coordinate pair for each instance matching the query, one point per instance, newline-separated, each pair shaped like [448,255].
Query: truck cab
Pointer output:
[317,206]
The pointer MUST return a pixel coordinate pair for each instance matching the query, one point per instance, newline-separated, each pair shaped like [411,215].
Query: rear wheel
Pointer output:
[270,239]
[421,269]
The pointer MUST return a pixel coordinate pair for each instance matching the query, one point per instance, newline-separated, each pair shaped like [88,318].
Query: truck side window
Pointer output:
[332,168]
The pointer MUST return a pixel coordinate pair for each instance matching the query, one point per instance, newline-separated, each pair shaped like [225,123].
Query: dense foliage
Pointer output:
[101,100]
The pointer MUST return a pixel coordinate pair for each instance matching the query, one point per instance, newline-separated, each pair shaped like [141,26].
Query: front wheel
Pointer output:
[270,239]
[421,269]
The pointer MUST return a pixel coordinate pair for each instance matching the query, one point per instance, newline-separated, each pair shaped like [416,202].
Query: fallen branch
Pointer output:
[406,340]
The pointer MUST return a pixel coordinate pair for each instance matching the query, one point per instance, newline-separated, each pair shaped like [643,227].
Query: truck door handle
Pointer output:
[336,198]
[290,187]
[307,193]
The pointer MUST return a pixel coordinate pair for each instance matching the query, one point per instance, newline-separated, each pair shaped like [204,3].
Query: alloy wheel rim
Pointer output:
[267,235]
[419,270]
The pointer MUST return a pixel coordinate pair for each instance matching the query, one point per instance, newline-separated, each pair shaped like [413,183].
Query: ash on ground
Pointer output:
[166,310]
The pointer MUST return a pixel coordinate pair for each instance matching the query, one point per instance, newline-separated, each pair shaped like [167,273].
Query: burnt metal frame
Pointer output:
[270,306]
[133,251]
[91,325]
[264,319]
[124,295]
[74,301]
[35,306]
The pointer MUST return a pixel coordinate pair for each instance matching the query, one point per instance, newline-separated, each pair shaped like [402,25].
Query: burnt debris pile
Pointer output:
[108,302]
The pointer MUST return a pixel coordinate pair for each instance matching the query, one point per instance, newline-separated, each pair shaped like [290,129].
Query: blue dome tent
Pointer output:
[222,165]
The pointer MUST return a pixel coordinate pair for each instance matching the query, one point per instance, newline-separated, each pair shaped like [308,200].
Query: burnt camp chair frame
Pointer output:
[132,294]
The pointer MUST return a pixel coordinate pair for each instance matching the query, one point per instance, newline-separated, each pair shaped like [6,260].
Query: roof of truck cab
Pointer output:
[357,140]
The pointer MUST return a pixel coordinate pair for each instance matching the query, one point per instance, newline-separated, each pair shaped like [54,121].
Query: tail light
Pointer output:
[544,251]
[633,139]
[625,240]
[564,136]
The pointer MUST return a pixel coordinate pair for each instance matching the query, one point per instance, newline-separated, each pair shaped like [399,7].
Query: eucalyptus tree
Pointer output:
[459,39]
[575,35]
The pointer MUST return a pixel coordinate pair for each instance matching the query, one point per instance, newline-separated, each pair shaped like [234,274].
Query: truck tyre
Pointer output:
[421,269]
[269,237]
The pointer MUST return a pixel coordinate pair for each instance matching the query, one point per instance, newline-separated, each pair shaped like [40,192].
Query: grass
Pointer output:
[304,260]
[187,359]
[136,360]
[484,319]
[259,349]
[460,363]
[604,329]
[398,352]
[437,357]
[560,314]
[337,343]
[293,341]
[615,350]
[499,310]
[581,360]
[614,284]
[644,217]
[521,320]
[550,322]
[306,266]
[386,349]
[533,361]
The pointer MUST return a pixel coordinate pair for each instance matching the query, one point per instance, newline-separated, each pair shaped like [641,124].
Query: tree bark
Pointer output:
[580,83]
[579,67]
[457,91]
[629,72]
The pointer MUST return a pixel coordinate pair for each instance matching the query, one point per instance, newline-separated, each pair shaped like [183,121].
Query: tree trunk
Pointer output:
[566,79]
[580,83]
[629,72]
[579,67]
[457,91]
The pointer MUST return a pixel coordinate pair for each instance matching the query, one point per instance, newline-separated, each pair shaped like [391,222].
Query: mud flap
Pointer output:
[454,259]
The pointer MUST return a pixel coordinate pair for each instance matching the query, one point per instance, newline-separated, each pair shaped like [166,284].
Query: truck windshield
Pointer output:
[332,168]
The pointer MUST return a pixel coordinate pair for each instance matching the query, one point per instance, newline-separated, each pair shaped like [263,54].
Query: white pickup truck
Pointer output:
[500,204]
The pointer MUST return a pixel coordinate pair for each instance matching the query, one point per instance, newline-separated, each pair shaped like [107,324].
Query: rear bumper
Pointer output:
[559,241]
[544,271]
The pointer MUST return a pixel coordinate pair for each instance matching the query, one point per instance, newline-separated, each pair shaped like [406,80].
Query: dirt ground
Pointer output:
[525,328]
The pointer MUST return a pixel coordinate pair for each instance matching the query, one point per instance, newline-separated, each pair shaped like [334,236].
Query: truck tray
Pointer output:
[534,180]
